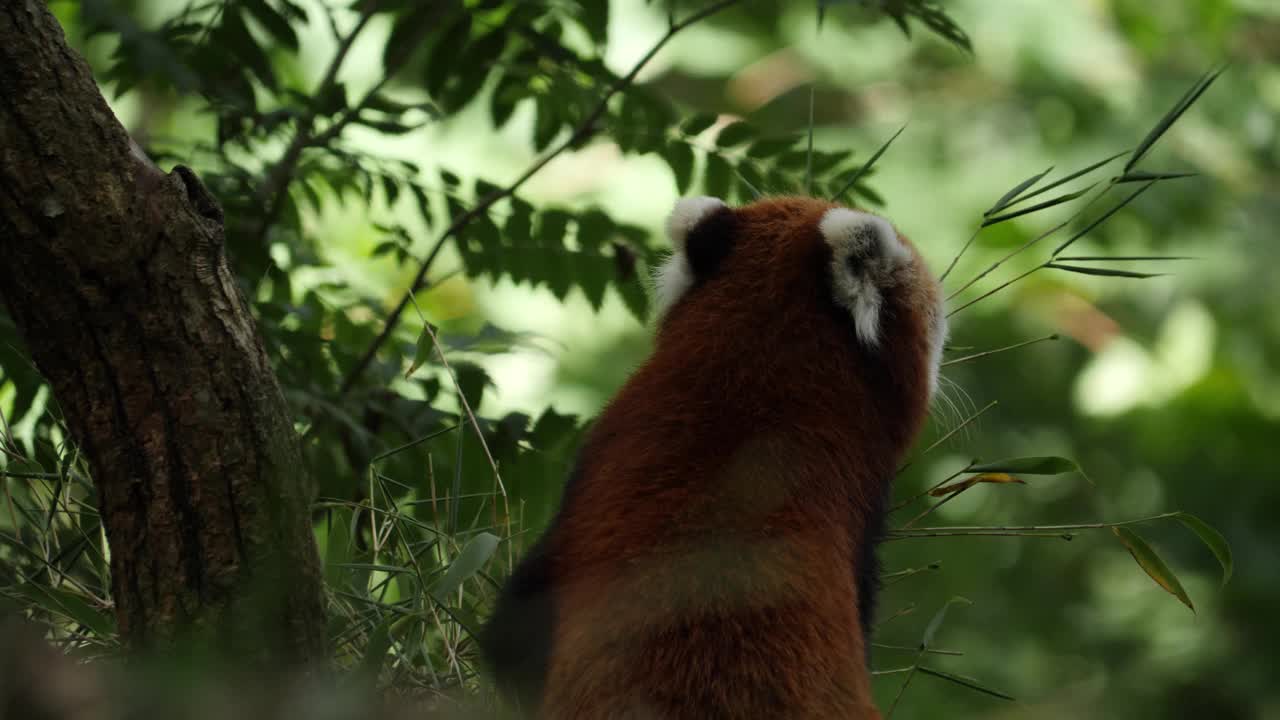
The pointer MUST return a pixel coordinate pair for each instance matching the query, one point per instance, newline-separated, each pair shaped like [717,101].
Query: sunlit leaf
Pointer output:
[422,352]
[962,485]
[473,557]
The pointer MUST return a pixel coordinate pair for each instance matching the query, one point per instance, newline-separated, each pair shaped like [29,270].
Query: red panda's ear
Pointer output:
[866,253]
[701,233]
[686,215]
[701,228]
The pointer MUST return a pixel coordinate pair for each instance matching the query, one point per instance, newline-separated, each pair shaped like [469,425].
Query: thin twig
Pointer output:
[936,485]
[580,134]
[998,288]
[911,673]
[949,434]
[996,351]
[910,534]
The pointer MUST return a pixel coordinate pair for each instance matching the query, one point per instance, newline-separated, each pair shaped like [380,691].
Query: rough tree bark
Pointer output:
[114,274]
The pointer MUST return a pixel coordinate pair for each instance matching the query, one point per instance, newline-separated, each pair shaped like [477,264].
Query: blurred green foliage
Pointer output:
[343,181]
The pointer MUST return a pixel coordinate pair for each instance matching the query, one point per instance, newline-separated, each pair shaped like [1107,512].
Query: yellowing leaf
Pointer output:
[1152,565]
[962,485]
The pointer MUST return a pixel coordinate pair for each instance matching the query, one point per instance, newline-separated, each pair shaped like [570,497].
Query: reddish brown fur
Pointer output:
[704,561]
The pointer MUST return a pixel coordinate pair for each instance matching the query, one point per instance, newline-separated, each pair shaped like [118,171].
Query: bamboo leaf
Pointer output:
[964,682]
[473,557]
[1133,176]
[74,607]
[1064,180]
[375,651]
[857,175]
[1043,465]
[1212,539]
[1037,207]
[1172,116]
[1107,272]
[936,622]
[1088,258]
[1152,565]
[1015,192]
[962,485]
[421,352]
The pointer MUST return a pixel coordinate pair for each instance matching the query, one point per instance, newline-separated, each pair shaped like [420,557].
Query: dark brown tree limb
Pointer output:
[115,276]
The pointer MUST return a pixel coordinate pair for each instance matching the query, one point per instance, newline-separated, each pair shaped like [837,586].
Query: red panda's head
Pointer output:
[812,294]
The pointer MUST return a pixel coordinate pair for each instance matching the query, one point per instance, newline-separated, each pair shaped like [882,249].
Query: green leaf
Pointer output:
[1152,565]
[1133,176]
[717,177]
[422,352]
[680,157]
[595,19]
[74,607]
[375,652]
[768,148]
[241,43]
[1088,258]
[273,22]
[1068,197]
[735,134]
[866,167]
[936,622]
[1041,465]
[964,682]
[1172,116]
[1212,539]
[473,557]
[1015,192]
[1064,180]
[697,123]
[444,56]
[1107,272]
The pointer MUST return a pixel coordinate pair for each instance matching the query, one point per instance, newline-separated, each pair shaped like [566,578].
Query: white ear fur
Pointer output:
[873,245]
[673,278]
[686,215]
[938,332]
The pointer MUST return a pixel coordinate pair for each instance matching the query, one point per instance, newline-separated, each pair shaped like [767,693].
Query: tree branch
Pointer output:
[583,131]
[281,174]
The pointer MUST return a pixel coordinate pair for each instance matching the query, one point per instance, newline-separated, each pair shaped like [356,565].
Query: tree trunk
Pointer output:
[115,276]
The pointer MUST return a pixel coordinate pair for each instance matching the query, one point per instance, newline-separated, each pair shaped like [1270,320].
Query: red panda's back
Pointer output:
[712,556]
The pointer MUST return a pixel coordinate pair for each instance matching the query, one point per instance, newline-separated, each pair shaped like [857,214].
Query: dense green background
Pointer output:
[1166,391]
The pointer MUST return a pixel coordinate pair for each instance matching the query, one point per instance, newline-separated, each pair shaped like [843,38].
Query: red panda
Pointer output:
[714,553]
